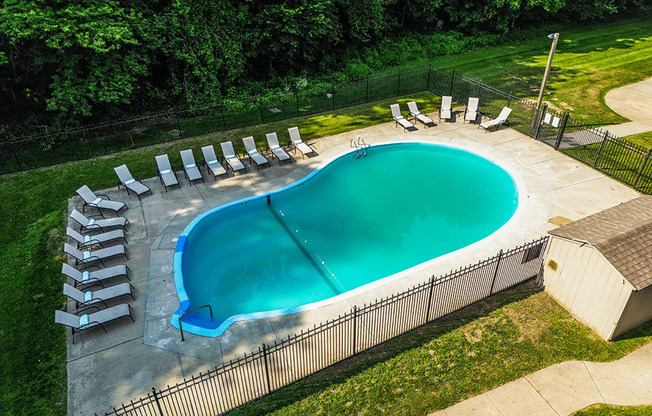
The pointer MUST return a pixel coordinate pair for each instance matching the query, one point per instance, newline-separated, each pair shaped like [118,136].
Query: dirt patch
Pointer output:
[559,221]
[533,322]
[474,332]
[566,106]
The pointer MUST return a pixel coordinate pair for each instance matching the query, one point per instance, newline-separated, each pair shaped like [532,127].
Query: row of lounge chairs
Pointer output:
[192,172]
[446,113]
[97,241]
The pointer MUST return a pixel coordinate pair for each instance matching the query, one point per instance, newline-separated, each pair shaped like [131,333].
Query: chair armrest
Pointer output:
[104,195]
[89,259]
[89,325]
[93,227]
[89,266]
[86,307]
[91,242]
[94,300]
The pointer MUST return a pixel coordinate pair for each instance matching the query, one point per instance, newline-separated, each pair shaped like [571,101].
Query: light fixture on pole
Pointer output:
[555,38]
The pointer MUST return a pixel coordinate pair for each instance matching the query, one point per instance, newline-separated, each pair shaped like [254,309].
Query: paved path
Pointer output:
[634,102]
[565,388]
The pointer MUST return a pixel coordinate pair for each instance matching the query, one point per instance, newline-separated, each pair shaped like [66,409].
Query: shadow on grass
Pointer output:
[325,379]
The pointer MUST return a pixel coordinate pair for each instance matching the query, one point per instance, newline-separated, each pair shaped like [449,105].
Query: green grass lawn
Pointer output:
[606,410]
[588,63]
[33,208]
[642,139]
[474,350]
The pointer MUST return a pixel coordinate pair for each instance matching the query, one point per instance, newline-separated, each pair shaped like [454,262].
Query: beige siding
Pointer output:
[637,312]
[586,284]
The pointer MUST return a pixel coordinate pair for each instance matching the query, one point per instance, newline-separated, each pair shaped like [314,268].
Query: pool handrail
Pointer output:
[210,309]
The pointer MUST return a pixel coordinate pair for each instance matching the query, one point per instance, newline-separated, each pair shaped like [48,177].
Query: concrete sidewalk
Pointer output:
[565,388]
[633,102]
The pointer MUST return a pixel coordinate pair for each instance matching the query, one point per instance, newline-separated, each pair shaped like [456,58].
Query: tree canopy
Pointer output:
[67,61]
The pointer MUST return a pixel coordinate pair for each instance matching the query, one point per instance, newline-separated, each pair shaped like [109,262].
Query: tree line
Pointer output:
[66,62]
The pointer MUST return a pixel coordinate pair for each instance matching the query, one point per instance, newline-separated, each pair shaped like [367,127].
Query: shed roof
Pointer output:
[623,234]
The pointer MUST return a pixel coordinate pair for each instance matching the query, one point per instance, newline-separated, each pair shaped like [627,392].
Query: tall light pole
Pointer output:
[555,38]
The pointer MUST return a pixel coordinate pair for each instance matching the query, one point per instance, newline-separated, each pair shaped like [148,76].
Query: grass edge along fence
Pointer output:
[275,366]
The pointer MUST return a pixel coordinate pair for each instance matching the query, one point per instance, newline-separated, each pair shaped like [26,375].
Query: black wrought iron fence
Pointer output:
[274,366]
[48,148]
[594,146]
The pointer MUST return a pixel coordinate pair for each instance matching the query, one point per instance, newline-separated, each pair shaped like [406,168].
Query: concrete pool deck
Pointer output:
[105,370]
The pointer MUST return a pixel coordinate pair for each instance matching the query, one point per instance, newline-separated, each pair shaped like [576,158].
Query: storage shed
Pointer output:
[600,267]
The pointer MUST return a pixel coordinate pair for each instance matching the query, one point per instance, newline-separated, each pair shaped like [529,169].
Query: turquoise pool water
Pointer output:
[348,224]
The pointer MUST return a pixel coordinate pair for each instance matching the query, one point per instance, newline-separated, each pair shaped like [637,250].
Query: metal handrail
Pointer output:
[360,146]
[210,309]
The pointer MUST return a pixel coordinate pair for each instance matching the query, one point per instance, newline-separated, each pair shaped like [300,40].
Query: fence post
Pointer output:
[296,96]
[537,130]
[493,282]
[355,318]
[269,387]
[479,88]
[223,119]
[366,98]
[428,82]
[509,99]
[262,116]
[333,94]
[398,86]
[13,151]
[450,91]
[178,125]
[640,172]
[432,286]
[160,411]
[597,159]
[562,128]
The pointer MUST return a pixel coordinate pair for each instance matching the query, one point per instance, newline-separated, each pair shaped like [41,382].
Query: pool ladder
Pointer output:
[360,146]
[191,310]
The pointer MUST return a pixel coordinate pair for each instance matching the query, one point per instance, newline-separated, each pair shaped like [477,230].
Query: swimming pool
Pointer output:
[346,225]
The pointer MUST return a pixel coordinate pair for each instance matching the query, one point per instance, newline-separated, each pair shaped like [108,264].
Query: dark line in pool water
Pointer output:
[315,264]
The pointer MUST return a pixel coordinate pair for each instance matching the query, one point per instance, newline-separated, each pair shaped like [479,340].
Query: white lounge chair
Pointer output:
[87,277]
[166,174]
[212,164]
[126,179]
[91,256]
[91,224]
[100,202]
[190,166]
[229,155]
[445,112]
[502,118]
[298,144]
[254,152]
[91,297]
[414,112]
[84,241]
[277,150]
[471,112]
[399,119]
[86,321]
